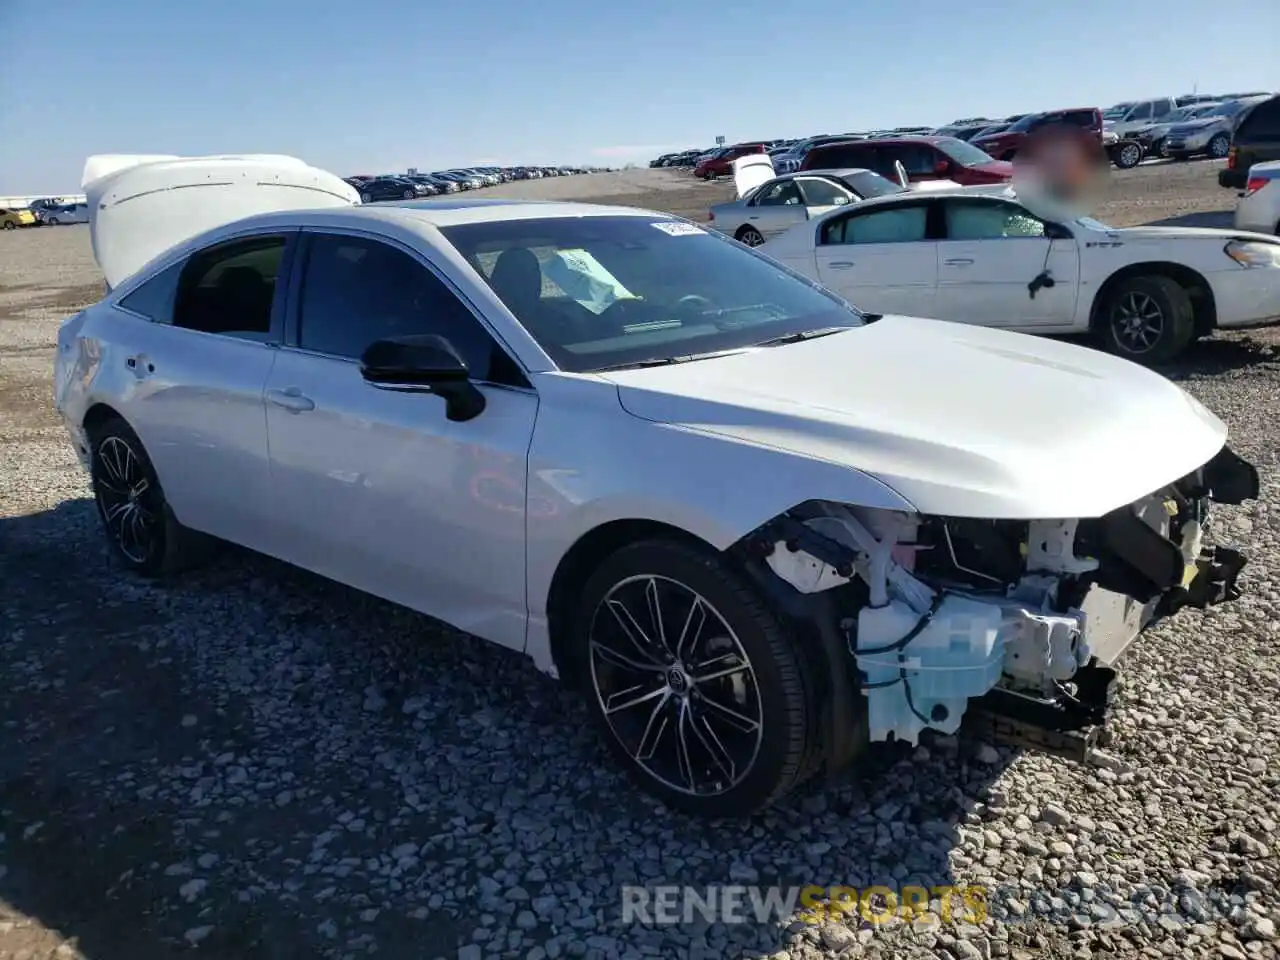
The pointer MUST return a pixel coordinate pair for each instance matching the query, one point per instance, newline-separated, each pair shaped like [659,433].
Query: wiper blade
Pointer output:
[802,335]
[667,361]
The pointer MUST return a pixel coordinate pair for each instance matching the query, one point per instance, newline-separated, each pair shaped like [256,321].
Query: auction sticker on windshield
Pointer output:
[677,229]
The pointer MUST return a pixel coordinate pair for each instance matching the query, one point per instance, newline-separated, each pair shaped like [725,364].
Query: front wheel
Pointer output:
[53,221]
[1126,156]
[10,225]
[1147,319]
[408,194]
[1219,146]
[750,236]
[700,692]
[366,198]
[144,534]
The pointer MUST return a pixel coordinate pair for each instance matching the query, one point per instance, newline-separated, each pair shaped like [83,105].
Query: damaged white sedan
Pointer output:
[756,529]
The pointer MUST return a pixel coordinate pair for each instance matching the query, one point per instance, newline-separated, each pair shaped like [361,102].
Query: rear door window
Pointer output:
[836,156]
[230,288]
[898,224]
[777,194]
[1262,122]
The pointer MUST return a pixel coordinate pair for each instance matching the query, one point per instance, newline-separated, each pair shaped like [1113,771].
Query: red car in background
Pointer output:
[924,158]
[1084,121]
[720,163]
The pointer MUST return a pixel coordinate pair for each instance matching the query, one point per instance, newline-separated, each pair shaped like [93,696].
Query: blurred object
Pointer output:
[1059,163]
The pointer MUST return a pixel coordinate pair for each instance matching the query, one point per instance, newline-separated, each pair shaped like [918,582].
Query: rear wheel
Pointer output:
[144,534]
[408,194]
[1219,146]
[1147,319]
[750,236]
[698,689]
[366,198]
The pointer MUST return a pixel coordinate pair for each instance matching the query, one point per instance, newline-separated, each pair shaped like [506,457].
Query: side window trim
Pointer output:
[292,317]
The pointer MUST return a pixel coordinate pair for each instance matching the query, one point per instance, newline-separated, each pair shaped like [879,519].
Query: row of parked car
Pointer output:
[371,187]
[406,186]
[1129,132]
[46,211]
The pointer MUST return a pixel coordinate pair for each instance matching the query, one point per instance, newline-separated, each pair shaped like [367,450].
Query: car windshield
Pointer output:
[965,154]
[608,291]
[1025,124]
[868,184]
[1117,112]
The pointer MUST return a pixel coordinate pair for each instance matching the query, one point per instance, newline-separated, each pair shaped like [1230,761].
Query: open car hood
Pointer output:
[751,171]
[926,185]
[960,420]
[141,205]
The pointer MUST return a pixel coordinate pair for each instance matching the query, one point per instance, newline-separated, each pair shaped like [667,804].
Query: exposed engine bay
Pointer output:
[1022,619]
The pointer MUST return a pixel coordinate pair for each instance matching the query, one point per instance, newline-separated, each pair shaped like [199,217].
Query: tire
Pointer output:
[1127,155]
[10,225]
[1219,146]
[366,198]
[53,221]
[408,194]
[154,544]
[730,767]
[750,236]
[1162,302]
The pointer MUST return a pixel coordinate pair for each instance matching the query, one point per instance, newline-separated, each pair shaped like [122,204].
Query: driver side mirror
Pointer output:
[942,166]
[424,363]
[1056,231]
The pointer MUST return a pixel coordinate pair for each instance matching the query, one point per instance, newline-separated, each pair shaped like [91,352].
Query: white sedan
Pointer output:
[756,530]
[1021,264]
[778,204]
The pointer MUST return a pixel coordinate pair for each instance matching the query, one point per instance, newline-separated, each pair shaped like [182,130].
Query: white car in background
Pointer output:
[707,492]
[774,206]
[1259,206]
[1023,264]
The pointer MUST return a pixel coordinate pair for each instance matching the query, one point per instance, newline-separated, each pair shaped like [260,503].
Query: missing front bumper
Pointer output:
[1071,726]
[1067,727]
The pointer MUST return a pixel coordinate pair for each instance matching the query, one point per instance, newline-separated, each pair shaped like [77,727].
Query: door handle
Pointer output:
[291,399]
[958,262]
[840,264]
[753,218]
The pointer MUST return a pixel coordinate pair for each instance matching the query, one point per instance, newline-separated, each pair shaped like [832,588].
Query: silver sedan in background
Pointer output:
[782,202]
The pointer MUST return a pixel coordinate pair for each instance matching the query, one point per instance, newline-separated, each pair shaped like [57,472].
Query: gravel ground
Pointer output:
[252,762]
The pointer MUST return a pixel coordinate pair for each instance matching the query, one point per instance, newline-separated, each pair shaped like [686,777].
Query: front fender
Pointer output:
[587,469]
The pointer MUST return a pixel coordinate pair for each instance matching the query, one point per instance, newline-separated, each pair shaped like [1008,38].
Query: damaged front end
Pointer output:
[1013,627]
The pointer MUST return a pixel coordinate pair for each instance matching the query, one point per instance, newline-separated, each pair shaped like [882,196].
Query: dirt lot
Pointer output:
[250,762]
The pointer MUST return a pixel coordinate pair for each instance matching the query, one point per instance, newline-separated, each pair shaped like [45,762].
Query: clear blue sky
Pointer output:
[384,84]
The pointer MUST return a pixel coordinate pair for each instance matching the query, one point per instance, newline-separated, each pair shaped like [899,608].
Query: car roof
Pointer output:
[995,194]
[450,211]
[889,141]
